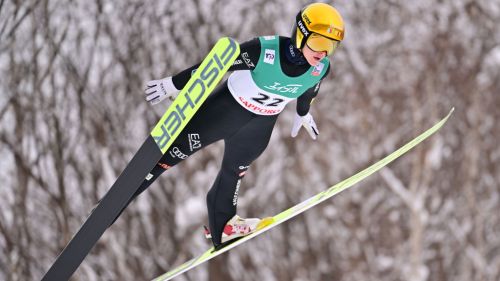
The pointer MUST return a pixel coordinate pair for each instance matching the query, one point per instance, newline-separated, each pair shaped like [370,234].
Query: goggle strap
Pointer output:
[303,28]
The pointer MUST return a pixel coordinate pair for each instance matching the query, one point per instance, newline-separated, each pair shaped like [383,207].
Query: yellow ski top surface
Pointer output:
[307,204]
[198,88]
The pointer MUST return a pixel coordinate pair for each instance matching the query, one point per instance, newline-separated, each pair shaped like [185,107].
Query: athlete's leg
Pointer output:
[218,117]
[240,151]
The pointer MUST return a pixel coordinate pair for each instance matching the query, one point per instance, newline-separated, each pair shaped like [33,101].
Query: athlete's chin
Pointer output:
[313,62]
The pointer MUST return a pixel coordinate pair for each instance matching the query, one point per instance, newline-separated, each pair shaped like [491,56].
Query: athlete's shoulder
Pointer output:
[283,38]
[269,39]
[250,50]
[249,55]
[253,43]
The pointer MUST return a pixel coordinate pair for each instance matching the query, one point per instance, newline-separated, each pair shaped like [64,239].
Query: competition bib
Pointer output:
[266,90]
[255,99]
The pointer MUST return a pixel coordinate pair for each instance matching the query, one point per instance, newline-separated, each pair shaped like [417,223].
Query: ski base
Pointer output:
[176,117]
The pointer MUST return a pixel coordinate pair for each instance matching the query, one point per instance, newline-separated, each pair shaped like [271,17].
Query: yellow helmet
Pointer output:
[320,26]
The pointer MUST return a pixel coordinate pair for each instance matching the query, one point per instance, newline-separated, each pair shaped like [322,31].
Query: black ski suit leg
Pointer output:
[217,118]
[241,149]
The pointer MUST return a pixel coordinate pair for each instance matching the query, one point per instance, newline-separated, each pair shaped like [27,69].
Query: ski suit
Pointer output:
[242,111]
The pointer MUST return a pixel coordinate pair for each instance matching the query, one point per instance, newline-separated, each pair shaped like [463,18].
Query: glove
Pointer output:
[308,122]
[158,90]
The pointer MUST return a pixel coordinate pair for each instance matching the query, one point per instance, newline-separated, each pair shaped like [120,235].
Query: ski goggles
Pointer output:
[319,43]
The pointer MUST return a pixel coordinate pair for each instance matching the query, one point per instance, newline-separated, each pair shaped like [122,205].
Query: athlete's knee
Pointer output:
[242,170]
[232,178]
[234,170]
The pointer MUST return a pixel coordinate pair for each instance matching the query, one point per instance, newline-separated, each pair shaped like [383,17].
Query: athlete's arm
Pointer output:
[304,101]
[246,60]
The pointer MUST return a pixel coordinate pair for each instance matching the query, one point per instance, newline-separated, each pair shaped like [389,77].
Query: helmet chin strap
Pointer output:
[293,54]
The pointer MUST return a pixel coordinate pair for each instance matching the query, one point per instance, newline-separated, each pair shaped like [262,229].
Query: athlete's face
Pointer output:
[312,57]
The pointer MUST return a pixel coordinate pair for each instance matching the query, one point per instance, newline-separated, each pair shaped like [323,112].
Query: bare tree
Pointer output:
[72,115]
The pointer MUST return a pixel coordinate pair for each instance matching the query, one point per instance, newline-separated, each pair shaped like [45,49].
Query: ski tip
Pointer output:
[449,114]
[230,40]
[265,222]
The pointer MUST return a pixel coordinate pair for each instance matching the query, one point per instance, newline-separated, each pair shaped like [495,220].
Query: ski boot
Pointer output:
[237,228]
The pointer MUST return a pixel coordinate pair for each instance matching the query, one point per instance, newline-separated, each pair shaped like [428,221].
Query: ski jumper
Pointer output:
[242,111]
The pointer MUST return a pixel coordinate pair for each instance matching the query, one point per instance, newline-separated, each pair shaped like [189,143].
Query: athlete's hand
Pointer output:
[308,122]
[158,90]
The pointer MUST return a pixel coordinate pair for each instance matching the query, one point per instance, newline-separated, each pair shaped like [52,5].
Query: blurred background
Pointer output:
[72,114]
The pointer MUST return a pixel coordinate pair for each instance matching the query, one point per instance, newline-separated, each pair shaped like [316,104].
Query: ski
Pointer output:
[175,118]
[305,205]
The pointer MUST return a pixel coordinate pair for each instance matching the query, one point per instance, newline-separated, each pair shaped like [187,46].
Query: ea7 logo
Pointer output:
[194,141]
[247,60]
[269,56]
